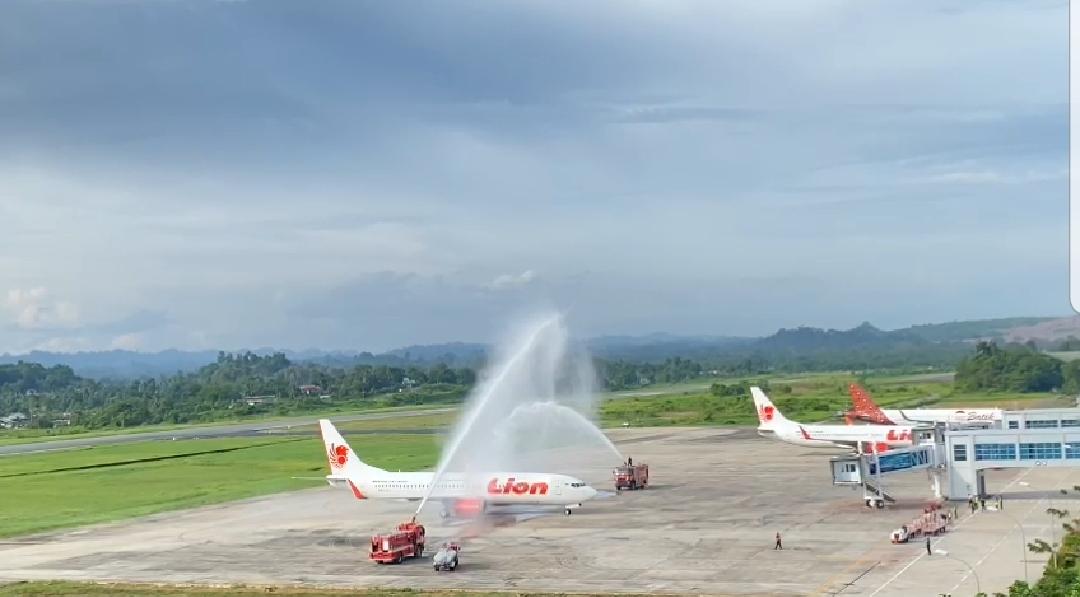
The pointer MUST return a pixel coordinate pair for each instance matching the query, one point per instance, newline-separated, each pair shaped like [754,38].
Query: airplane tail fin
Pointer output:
[864,407]
[345,465]
[768,415]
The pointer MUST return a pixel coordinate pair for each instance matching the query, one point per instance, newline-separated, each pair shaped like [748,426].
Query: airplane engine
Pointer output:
[471,508]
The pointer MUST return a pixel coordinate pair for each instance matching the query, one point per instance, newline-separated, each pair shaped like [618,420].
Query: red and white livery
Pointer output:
[872,438]
[864,408]
[461,495]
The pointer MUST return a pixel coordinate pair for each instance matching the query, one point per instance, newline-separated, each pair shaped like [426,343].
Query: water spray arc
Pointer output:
[528,412]
[534,420]
[475,411]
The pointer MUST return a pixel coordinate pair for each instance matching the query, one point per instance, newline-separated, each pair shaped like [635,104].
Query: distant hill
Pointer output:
[958,331]
[119,363]
[862,336]
[1046,331]
[659,347]
[461,354]
[917,345]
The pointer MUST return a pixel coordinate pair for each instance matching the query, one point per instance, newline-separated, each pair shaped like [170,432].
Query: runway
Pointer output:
[209,431]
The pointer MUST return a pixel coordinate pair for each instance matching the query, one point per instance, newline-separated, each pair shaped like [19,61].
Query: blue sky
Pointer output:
[372,174]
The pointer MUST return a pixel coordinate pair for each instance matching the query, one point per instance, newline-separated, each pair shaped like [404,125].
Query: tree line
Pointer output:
[242,384]
[1015,368]
[234,385]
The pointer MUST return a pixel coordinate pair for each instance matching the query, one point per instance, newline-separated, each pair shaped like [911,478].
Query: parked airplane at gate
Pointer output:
[864,408]
[872,438]
[459,494]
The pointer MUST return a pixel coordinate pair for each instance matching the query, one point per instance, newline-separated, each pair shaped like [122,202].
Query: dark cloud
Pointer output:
[367,174]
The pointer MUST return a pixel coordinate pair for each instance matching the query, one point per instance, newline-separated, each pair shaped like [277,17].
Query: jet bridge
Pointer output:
[854,468]
[866,470]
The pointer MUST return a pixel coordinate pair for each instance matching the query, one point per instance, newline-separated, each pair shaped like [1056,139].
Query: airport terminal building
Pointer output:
[955,456]
[1026,439]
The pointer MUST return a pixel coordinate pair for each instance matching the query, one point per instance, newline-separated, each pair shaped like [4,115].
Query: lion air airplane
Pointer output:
[873,438]
[460,495]
[864,408]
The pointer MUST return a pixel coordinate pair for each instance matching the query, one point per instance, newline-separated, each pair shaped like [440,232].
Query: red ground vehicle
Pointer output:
[632,476]
[392,548]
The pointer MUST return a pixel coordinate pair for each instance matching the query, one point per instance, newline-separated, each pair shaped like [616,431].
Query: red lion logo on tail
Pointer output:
[339,455]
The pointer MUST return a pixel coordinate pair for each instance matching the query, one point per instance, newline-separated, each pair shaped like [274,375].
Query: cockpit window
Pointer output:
[578,484]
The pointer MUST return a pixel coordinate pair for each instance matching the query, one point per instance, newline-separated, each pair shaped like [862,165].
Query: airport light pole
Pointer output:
[978,587]
[1023,541]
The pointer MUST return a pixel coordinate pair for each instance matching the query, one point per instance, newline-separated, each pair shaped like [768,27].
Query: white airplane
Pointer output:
[864,408]
[459,494]
[873,438]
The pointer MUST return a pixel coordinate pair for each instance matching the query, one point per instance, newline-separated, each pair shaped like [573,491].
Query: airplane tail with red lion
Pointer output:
[346,468]
[769,417]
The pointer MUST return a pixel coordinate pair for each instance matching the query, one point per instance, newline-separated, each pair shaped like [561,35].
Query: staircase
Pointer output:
[870,487]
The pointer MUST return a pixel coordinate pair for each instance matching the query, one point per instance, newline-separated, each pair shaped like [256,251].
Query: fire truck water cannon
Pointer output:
[393,548]
[631,476]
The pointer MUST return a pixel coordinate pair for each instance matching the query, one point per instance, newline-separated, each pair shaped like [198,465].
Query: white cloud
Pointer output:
[512,281]
[995,177]
[127,342]
[66,344]
[33,308]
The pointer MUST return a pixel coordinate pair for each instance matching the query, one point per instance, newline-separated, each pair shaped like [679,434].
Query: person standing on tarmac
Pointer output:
[629,461]
[928,546]
[779,544]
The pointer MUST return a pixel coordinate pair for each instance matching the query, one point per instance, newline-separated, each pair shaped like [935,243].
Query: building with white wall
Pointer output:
[1026,439]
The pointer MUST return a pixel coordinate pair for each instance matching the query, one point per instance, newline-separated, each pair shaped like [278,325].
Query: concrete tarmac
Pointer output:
[705,526]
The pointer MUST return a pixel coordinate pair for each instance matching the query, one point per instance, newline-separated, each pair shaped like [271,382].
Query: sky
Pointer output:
[366,175]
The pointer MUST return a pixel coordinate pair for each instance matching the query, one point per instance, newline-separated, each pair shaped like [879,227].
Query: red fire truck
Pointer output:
[631,476]
[392,548]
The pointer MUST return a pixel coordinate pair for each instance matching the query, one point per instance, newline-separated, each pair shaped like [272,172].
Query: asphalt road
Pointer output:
[239,429]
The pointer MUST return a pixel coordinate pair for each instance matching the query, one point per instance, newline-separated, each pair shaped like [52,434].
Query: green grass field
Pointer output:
[63,489]
[810,399]
[73,589]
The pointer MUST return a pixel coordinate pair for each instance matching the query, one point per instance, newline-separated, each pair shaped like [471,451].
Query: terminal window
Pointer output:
[1041,424]
[1072,450]
[959,452]
[1070,422]
[995,451]
[1014,424]
[1040,451]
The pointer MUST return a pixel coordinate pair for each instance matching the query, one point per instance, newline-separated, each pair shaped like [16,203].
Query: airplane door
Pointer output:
[558,489]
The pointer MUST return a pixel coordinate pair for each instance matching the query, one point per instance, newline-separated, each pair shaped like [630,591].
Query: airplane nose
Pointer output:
[589,491]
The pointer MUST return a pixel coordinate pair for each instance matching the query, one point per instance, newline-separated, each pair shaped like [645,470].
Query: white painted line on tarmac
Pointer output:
[939,542]
[994,548]
[1006,535]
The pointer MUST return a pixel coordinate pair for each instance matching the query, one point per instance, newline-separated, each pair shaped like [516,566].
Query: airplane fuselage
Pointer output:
[970,416]
[492,488]
[798,440]
[881,437]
